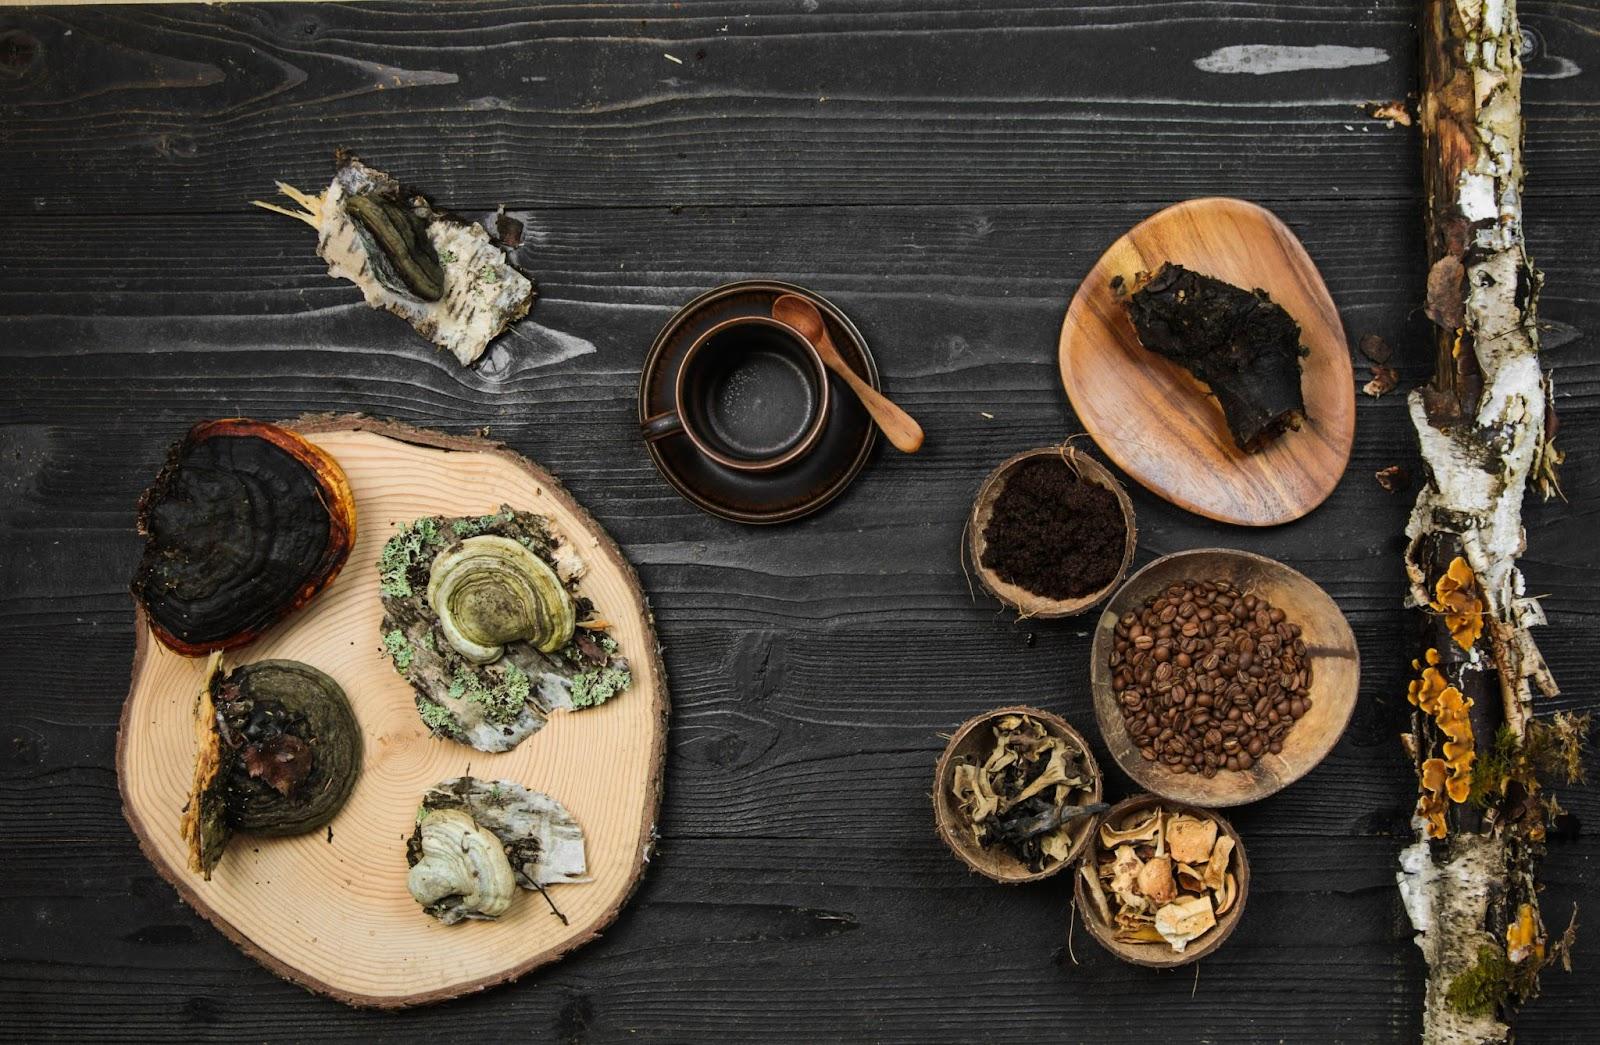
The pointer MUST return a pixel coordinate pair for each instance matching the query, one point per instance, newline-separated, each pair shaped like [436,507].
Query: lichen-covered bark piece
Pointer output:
[494,706]
[542,840]
[444,276]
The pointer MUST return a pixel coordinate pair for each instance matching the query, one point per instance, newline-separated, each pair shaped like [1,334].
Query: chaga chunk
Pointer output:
[1241,343]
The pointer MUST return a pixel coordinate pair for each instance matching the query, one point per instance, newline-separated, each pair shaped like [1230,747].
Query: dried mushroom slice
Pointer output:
[444,276]
[278,752]
[482,617]
[245,523]
[1161,877]
[469,829]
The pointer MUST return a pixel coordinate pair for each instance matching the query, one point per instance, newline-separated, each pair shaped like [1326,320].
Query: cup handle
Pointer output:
[661,426]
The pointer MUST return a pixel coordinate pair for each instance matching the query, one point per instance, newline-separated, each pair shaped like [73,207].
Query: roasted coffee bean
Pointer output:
[1209,677]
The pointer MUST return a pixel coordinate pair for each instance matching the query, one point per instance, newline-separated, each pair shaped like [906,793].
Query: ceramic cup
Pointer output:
[751,394]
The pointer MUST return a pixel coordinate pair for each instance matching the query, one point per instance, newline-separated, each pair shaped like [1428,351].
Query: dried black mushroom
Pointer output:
[443,275]
[476,839]
[245,523]
[483,618]
[1241,343]
[279,751]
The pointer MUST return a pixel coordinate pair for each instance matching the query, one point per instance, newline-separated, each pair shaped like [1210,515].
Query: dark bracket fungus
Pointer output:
[1241,343]
[279,751]
[245,523]
[482,617]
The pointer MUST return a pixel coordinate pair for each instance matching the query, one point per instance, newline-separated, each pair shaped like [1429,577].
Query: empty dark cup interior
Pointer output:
[751,392]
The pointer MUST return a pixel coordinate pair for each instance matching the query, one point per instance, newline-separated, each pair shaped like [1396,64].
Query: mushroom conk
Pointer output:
[444,276]
[488,591]
[481,615]
[461,870]
[279,751]
[245,523]
[477,840]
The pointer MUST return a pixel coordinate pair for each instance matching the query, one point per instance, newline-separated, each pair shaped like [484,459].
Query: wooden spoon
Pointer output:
[895,423]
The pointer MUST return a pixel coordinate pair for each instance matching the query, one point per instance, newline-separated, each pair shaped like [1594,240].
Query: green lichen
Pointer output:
[1482,988]
[401,552]
[501,701]
[447,256]
[436,716]
[598,686]
[398,649]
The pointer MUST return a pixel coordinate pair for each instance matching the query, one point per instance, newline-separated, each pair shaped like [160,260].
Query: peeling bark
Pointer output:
[1481,424]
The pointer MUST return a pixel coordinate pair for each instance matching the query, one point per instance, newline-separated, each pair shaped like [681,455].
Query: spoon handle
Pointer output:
[902,430]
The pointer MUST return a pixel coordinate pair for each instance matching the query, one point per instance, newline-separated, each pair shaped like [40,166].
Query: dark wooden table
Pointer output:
[946,171]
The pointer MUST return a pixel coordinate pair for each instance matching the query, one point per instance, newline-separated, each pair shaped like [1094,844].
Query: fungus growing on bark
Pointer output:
[1456,596]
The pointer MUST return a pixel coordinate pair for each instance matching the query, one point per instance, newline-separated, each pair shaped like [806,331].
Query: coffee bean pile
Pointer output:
[1209,678]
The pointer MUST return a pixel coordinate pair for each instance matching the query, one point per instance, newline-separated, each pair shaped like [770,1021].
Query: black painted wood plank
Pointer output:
[968,167]
[180,108]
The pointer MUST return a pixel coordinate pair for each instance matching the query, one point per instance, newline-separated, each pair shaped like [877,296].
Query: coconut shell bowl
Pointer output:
[1025,602]
[1183,854]
[1331,657]
[972,742]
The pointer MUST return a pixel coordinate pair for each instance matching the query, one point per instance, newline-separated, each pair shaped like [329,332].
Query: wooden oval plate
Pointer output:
[331,911]
[1159,424]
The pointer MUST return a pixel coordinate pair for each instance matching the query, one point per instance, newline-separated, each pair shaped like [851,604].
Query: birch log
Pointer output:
[1485,430]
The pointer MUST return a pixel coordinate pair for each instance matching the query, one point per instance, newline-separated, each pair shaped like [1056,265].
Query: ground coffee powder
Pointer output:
[1053,534]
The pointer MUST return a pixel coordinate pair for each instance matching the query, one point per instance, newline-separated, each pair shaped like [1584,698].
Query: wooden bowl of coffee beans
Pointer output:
[1051,532]
[1221,677]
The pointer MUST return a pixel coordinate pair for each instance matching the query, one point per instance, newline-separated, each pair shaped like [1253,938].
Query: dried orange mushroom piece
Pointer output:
[1178,923]
[1456,596]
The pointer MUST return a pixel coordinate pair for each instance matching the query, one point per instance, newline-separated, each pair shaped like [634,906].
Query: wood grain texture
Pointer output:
[331,911]
[1332,657]
[970,166]
[1160,424]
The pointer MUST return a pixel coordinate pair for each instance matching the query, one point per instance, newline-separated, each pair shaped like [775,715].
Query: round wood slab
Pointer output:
[1162,426]
[333,913]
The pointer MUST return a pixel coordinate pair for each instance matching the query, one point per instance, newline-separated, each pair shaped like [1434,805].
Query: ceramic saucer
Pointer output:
[797,489]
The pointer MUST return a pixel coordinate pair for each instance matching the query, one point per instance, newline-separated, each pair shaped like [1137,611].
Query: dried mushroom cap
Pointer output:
[1182,922]
[278,753]
[490,595]
[1155,882]
[489,591]
[245,523]
[1227,894]
[1190,839]
[460,870]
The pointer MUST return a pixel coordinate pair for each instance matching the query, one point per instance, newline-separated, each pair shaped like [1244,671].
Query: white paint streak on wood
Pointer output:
[1261,59]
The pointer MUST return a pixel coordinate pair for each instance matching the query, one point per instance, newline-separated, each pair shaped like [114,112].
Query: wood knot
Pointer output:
[18,52]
